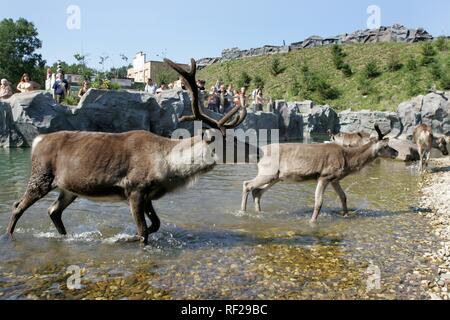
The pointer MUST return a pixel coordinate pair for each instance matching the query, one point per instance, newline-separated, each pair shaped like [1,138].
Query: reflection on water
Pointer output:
[208,249]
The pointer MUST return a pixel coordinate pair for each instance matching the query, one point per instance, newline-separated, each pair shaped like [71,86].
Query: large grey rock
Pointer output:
[353,121]
[37,113]
[407,151]
[9,136]
[395,33]
[432,109]
[290,122]
[318,119]
[262,123]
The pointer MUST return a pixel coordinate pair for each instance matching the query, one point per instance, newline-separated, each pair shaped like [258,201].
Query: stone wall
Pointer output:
[395,33]
[25,116]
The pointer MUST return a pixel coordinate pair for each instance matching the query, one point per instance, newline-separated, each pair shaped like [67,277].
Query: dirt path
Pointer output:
[435,204]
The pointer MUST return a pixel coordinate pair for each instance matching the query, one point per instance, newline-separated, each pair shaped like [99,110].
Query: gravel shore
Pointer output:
[435,206]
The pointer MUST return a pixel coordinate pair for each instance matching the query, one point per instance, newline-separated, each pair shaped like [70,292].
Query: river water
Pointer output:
[208,249]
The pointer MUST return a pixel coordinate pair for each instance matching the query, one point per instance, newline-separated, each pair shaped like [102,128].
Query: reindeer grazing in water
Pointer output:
[138,166]
[425,139]
[351,140]
[327,163]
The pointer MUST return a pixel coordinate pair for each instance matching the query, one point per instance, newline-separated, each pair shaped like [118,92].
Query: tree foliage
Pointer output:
[19,43]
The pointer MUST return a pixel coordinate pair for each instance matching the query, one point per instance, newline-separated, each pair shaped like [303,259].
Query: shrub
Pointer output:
[441,43]
[371,70]
[276,68]
[411,64]
[244,80]
[71,100]
[365,86]
[294,89]
[338,56]
[347,70]
[228,77]
[315,83]
[436,71]
[428,54]
[258,82]
[414,88]
[326,91]
[394,63]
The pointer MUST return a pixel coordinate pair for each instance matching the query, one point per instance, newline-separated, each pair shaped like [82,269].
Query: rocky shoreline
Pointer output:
[435,207]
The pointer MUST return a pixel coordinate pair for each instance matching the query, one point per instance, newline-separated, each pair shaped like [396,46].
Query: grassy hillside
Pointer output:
[396,72]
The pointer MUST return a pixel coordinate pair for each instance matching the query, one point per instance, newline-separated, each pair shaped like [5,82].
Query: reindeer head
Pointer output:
[442,145]
[382,148]
[230,121]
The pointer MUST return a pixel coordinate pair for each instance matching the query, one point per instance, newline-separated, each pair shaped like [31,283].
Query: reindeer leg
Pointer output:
[65,199]
[421,154]
[38,187]
[151,214]
[340,192]
[427,159]
[321,187]
[258,193]
[249,186]
[137,205]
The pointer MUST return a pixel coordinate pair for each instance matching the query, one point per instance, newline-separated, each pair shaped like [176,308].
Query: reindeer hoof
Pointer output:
[6,238]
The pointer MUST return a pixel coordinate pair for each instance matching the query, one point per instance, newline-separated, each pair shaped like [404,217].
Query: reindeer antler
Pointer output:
[229,121]
[380,134]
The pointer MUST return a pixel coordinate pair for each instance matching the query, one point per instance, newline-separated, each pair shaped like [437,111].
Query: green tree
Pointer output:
[428,54]
[371,70]
[19,43]
[347,70]
[164,76]
[411,64]
[394,64]
[441,43]
[258,82]
[244,80]
[276,68]
[338,56]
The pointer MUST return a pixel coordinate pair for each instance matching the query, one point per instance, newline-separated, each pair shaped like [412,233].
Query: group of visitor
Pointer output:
[25,85]
[56,83]
[152,87]
[222,98]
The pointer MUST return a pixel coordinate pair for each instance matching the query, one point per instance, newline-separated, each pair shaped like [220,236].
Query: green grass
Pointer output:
[384,92]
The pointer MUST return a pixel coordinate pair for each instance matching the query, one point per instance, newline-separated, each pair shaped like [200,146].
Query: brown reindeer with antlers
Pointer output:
[138,167]
[326,163]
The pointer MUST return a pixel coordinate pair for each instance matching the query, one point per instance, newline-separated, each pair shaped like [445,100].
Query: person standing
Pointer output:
[151,87]
[49,80]
[83,89]
[5,89]
[60,88]
[259,101]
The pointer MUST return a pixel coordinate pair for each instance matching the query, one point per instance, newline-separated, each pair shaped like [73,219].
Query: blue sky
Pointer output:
[182,29]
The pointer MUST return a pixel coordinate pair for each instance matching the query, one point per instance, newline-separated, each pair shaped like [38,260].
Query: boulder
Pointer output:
[290,122]
[354,121]
[432,109]
[37,113]
[260,121]
[9,136]
[407,151]
[318,119]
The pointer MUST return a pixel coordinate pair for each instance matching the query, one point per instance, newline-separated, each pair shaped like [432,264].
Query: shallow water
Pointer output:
[208,249]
